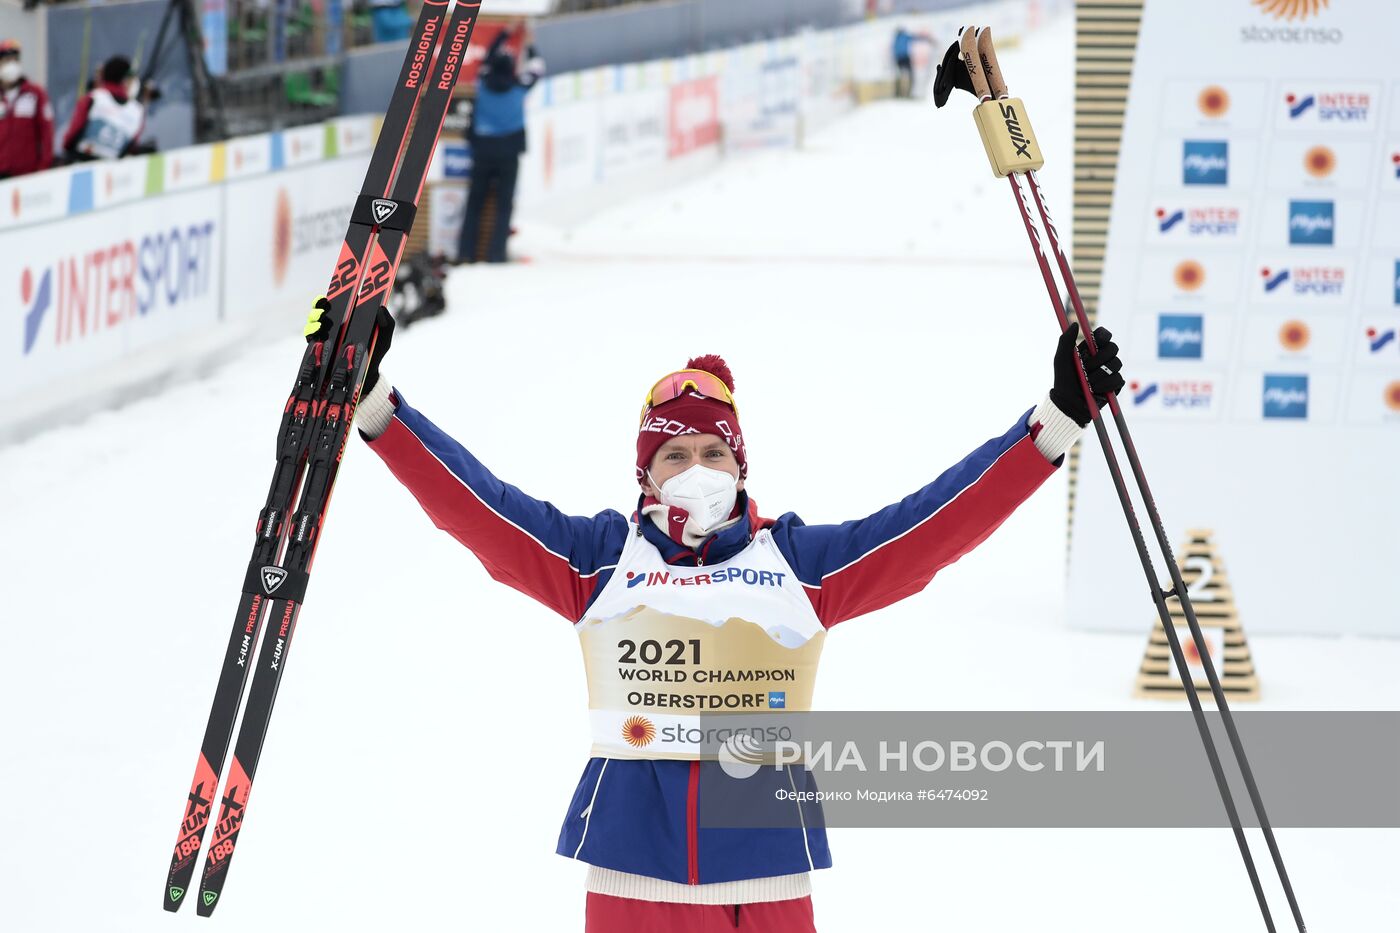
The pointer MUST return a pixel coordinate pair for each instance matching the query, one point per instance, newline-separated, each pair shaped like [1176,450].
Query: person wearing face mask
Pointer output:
[109,118]
[26,118]
[644,594]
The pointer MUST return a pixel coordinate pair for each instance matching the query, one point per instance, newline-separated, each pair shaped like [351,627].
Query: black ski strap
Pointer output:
[385,213]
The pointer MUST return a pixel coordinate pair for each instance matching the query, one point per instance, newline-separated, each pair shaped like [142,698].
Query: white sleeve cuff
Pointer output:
[376,410]
[1058,431]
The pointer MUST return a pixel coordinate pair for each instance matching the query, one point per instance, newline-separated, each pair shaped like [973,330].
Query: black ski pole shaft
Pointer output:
[987,53]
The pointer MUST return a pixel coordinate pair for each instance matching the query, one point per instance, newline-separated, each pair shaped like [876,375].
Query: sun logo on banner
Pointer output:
[1392,396]
[638,731]
[1214,101]
[1320,161]
[1189,275]
[1294,335]
[1292,9]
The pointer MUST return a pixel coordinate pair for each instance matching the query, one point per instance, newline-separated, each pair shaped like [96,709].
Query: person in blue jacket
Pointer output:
[695,579]
[497,137]
[903,48]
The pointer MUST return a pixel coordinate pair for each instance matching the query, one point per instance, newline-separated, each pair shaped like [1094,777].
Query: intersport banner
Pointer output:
[92,291]
[1253,275]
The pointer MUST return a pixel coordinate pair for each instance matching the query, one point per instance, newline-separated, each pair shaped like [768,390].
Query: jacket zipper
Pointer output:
[692,832]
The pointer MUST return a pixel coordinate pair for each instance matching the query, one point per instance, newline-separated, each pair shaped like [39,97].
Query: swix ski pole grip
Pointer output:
[987,55]
[967,45]
[1003,124]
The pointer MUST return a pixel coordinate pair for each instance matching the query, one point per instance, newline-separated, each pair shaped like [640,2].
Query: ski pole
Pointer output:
[1008,137]
[987,55]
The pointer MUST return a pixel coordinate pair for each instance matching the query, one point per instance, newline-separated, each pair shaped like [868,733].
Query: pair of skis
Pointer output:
[310,442]
[1010,142]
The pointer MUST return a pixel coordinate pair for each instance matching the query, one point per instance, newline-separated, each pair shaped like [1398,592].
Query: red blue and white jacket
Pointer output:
[643,816]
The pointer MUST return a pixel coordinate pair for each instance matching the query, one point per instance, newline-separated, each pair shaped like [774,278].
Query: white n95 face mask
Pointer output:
[10,71]
[707,494]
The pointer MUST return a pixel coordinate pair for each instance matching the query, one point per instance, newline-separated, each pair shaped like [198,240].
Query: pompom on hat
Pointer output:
[687,409]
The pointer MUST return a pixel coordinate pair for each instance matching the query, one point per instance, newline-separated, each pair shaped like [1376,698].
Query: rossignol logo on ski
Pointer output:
[272,578]
[383,209]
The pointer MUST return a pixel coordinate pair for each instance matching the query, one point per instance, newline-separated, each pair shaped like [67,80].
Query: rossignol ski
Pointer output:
[1011,147]
[311,439]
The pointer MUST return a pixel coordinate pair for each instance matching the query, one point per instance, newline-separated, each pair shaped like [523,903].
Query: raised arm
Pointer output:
[558,559]
[860,566]
[866,564]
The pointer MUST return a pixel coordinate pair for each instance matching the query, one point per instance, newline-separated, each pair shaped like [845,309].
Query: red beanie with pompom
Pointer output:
[692,413]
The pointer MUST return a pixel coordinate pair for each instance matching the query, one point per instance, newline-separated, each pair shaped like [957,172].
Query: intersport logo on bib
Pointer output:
[745,576]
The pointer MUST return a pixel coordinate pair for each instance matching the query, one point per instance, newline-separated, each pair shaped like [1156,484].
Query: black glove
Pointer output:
[318,327]
[952,74]
[1101,368]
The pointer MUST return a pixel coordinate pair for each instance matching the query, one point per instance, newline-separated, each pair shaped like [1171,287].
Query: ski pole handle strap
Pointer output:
[385,213]
[273,581]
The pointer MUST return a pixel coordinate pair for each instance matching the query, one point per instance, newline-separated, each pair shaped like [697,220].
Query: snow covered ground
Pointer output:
[432,723]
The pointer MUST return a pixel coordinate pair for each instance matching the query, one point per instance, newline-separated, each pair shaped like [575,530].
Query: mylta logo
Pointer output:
[1311,223]
[1285,396]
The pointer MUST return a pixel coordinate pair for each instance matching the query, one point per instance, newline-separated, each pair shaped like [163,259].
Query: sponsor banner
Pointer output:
[693,116]
[1381,287]
[633,131]
[1328,107]
[353,135]
[1254,242]
[117,182]
[448,203]
[1217,221]
[299,146]
[1209,276]
[289,227]
[566,138]
[1286,340]
[1221,106]
[1315,164]
[33,198]
[1156,393]
[1313,221]
[1303,283]
[1376,343]
[248,155]
[1375,398]
[1190,338]
[192,167]
[94,288]
[765,112]
[1389,167]
[1206,163]
[1286,396]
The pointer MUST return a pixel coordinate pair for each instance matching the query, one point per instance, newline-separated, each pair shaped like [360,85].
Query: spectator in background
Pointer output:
[109,118]
[903,60]
[497,137]
[26,118]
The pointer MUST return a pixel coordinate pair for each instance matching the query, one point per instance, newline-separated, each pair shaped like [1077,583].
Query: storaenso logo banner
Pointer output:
[272,578]
[1013,129]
